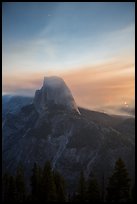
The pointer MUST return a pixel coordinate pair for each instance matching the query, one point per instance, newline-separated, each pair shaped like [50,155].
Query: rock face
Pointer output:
[53,128]
[54,94]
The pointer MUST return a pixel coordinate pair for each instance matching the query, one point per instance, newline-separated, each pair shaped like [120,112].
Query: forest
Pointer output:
[48,185]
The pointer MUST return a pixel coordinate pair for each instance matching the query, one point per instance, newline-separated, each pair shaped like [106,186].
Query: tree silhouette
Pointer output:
[5,187]
[20,184]
[60,187]
[133,193]
[12,190]
[81,188]
[48,188]
[119,183]
[36,183]
[93,190]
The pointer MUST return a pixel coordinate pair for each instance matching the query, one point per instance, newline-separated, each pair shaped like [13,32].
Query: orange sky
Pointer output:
[94,86]
[103,85]
[92,49]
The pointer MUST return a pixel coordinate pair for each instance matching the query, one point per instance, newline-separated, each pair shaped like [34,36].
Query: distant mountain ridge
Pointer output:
[13,104]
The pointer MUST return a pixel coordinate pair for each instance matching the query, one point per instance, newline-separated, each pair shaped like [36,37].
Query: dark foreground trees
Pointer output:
[81,196]
[13,187]
[93,190]
[35,182]
[88,190]
[20,185]
[60,185]
[48,185]
[48,188]
[9,189]
[119,184]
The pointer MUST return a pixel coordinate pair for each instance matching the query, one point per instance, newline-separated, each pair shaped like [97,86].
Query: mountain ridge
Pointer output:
[54,92]
[71,141]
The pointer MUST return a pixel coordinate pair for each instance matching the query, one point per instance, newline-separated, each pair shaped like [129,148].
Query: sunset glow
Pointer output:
[90,45]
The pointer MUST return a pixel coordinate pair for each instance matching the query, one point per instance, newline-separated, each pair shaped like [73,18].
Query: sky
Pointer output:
[91,45]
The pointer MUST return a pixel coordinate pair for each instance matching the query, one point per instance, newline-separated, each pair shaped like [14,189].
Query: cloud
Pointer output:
[129,111]
[28,56]
[49,50]
[99,69]
[103,87]
[109,84]
[118,110]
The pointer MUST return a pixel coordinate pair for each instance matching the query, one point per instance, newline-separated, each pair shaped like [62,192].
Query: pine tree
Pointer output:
[12,190]
[48,188]
[93,190]
[20,185]
[35,183]
[119,183]
[60,187]
[73,198]
[5,187]
[81,188]
[133,193]
[8,189]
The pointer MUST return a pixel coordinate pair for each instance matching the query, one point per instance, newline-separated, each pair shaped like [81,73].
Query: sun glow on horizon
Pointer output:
[93,53]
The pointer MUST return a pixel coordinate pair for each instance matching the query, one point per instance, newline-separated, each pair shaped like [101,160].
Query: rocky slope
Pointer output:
[53,128]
